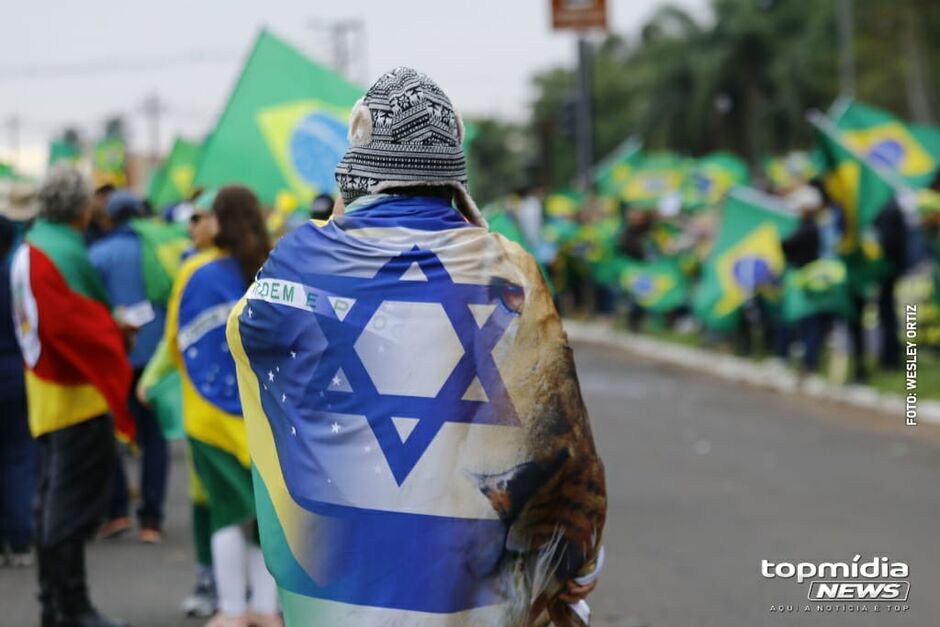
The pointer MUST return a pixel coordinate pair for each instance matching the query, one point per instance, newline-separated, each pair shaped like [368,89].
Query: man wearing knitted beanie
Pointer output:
[422,452]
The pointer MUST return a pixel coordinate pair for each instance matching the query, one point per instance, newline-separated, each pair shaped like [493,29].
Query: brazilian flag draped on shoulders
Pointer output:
[910,150]
[284,127]
[746,259]
[206,288]
[175,180]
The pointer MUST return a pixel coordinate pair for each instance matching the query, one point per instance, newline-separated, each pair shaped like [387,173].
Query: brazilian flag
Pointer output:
[655,176]
[711,177]
[818,287]
[853,182]
[790,170]
[175,182]
[910,150]
[612,174]
[63,150]
[746,258]
[658,286]
[284,127]
[161,248]
[109,162]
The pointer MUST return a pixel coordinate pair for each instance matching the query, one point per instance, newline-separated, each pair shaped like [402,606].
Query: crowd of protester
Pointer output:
[578,234]
[68,484]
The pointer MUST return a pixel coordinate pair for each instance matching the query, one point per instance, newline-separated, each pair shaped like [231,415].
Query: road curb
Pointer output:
[768,374]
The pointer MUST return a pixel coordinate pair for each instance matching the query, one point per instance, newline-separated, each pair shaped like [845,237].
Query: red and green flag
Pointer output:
[76,362]
[284,127]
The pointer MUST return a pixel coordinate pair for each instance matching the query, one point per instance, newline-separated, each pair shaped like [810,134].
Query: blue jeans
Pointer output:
[19,467]
[154,467]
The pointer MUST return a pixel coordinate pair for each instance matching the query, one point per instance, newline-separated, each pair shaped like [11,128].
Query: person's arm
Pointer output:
[158,367]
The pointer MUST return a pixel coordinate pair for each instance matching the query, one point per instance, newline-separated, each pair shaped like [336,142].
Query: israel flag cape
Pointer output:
[421,451]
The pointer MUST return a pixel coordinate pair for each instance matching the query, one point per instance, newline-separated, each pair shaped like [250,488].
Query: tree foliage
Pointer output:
[740,80]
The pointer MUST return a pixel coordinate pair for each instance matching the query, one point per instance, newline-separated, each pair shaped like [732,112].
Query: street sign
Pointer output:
[579,14]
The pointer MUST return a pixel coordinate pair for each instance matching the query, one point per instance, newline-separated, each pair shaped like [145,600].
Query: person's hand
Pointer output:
[141,393]
[575,592]
[129,332]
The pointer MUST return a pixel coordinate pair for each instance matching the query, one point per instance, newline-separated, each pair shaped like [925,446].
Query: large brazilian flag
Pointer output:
[861,189]
[746,258]
[910,150]
[284,127]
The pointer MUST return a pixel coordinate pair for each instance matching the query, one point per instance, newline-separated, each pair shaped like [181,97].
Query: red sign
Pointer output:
[579,14]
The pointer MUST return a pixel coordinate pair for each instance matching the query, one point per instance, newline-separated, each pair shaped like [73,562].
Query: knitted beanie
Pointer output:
[405,133]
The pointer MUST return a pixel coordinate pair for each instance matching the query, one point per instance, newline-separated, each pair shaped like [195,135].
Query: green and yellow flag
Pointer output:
[853,182]
[109,162]
[63,150]
[711,177]
[284,127]
[161,248]
[179,171]
[790,170]
[910,150]
[818,287]
[655,176]
[658,286]
[746,259]
[612,174]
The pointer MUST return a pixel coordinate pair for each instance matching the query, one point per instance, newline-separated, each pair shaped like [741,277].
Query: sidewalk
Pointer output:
[767,374]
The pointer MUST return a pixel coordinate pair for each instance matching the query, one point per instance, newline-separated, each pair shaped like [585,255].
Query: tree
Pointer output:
[498,155]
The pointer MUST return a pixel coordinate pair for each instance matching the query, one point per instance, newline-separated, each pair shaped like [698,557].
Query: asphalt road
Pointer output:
[705,480]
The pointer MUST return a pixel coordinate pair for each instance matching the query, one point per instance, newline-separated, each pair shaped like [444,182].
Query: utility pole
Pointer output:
[13,128]
[916,74]
[584,126]
[348,43]
[153,108]
[846,49]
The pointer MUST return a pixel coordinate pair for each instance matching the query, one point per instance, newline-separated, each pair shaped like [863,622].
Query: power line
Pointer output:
[105,66]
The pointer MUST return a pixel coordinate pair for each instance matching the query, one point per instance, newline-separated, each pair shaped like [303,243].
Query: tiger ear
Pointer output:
[360,124]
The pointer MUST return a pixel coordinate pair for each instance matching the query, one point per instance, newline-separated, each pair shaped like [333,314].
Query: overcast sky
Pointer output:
[482,52]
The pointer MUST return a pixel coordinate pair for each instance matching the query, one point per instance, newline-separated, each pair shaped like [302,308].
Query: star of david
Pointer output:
[362,396]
